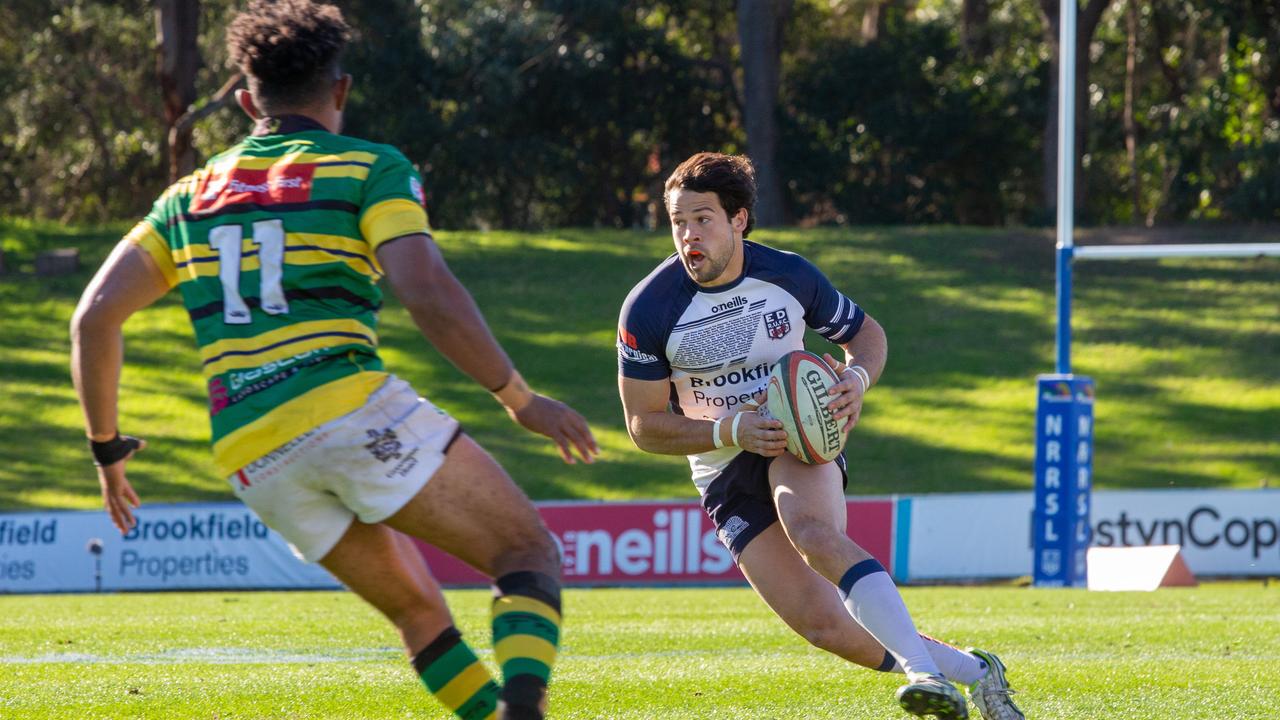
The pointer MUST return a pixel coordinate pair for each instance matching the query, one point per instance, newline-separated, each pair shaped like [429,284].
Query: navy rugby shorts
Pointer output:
[740,502]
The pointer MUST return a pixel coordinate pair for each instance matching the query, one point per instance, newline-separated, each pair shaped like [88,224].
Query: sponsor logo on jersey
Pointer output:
[629,350]
[737,302]
[283,183]
[759,373]
[217,396]
[415,189]
[777,324]
[239,378]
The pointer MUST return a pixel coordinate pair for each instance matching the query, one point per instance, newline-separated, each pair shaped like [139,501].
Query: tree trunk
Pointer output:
[872,19]
[974,35]
[177,59]
[1086,25]
[1130,125]
[760,25]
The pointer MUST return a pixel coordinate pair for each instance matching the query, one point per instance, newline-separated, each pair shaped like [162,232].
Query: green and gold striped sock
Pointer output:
[453,673]
[526,635]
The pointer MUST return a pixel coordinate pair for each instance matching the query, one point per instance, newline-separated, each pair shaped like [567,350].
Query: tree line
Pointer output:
[541,113]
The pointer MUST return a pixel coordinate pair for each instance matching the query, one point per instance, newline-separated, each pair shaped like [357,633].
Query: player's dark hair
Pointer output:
[288,49]
[731,177]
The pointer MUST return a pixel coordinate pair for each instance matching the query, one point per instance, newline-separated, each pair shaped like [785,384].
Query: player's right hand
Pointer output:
[569,430]
[761,434]
[118,496]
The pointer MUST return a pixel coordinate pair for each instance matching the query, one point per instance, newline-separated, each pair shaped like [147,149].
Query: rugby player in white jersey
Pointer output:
[695,340]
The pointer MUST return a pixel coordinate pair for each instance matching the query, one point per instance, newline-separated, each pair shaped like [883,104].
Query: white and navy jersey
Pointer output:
[715,345]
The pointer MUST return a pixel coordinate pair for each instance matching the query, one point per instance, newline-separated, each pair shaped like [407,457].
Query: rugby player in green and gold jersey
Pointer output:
[277,246]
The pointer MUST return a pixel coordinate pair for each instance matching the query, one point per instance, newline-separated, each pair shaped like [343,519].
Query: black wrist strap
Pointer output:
[113,450]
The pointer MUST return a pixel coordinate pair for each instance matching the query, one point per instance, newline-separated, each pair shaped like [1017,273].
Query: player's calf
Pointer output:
[526,638]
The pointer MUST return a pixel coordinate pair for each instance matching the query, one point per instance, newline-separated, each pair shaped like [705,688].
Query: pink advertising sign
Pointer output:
[654,543]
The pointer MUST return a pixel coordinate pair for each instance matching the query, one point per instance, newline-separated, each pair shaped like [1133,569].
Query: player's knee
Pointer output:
[534,550]
[814,539]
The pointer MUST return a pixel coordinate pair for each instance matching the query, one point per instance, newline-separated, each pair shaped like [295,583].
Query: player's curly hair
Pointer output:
[289,49]
[731,177]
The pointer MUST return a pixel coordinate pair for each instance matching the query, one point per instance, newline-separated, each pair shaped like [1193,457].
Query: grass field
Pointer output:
[1185,355]
[1209,652]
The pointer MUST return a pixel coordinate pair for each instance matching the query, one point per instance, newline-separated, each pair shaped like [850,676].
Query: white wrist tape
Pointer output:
[733,431]
[863,376]
[715,433]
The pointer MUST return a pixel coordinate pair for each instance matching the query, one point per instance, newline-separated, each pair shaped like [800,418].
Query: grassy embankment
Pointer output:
[1186,355]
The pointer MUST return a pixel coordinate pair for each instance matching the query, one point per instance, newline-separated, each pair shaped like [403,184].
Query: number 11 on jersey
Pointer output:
[226,240]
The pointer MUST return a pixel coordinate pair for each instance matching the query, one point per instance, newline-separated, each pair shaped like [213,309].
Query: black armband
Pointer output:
[114,450]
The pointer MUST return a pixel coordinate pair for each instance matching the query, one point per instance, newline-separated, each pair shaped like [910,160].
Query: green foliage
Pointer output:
[532,117]
[525,114]
[905,130]
[632,654]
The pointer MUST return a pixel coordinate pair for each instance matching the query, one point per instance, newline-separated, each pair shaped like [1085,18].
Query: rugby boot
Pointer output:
[933,695]
[990,694]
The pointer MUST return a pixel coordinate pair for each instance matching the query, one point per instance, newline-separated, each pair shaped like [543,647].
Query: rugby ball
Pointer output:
[798,386]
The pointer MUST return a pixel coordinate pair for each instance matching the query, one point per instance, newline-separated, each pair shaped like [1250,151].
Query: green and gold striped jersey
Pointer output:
[272,244]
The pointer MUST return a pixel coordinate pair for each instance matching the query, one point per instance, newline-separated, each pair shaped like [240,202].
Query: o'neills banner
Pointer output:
[655,543]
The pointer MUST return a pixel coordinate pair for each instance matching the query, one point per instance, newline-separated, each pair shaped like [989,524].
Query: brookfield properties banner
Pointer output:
[172,547]
[962,536]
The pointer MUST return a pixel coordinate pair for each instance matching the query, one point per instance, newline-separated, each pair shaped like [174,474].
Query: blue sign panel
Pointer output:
[1064,478]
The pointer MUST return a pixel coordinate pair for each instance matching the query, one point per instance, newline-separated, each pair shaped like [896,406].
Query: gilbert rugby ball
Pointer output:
[798,385]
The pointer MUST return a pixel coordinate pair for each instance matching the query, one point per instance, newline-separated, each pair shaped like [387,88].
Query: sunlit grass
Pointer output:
[1185,354]
[677,654]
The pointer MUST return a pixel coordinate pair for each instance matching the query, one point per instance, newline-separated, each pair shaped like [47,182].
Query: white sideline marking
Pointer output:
[215,656]
[246,656]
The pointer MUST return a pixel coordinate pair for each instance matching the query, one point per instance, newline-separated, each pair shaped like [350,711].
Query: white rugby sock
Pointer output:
[956,664]
[873,600]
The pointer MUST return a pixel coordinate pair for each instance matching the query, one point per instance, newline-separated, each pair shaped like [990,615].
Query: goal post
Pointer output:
[1064,406]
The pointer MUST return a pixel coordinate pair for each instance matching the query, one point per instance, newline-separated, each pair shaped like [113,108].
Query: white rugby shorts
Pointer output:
[366,464]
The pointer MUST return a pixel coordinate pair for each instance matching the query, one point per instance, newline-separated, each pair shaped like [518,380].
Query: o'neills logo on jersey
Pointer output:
[283,183]
[737,302]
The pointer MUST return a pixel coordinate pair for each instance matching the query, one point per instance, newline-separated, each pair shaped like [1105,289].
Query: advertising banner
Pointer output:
[1064,462]
[655,543]
[961,536]
[173,547]
[225,546]
[976,536]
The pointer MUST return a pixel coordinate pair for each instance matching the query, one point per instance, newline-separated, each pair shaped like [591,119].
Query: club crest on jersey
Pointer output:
[777,324]
[383,444]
